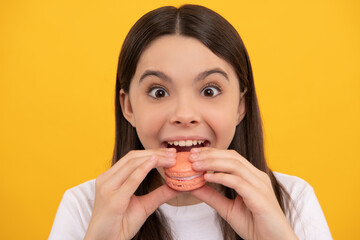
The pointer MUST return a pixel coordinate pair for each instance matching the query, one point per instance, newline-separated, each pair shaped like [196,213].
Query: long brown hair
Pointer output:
[222,39]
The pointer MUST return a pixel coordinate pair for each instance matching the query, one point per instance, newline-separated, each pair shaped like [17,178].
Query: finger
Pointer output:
[163,153]
[154,199]
[231,166]
[166,158]
[210,196]
[207,153]
[256,198]
[214,199]
[115,180]
[132,182]
[122,174]
[242,187]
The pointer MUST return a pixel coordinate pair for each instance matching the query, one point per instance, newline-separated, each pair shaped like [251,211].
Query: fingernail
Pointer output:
[171,155]
[194,155]
[170,150]
[197,164]
[194,150]
[208,175]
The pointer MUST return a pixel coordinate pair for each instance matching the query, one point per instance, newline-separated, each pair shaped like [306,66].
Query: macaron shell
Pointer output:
[183,168]
[185,185]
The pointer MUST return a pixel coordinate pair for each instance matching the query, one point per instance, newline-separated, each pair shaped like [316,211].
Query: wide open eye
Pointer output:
[211,91]
[158,92]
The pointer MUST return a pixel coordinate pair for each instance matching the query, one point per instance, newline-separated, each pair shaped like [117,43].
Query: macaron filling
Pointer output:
[185,178]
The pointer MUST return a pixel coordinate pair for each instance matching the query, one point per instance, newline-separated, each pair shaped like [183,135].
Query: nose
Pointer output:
[185,113]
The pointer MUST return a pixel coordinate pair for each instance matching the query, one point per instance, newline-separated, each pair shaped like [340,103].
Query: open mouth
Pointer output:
[186,145]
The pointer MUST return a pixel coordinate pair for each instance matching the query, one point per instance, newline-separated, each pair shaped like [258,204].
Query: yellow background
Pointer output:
[58,63]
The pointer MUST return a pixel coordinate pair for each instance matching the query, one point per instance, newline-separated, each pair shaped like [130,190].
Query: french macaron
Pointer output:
[181,176]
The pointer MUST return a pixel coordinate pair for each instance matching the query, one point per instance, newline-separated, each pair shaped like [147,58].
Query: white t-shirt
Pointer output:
[198,221]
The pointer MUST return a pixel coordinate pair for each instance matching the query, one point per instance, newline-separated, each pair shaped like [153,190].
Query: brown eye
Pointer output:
[158,92]
[210,91]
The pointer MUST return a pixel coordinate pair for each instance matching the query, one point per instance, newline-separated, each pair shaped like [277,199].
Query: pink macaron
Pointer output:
[181,176]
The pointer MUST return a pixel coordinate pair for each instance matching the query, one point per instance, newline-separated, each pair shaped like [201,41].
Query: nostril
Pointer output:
[190,123]
[184,120]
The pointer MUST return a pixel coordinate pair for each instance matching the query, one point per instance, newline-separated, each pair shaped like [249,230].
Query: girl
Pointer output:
[185,83]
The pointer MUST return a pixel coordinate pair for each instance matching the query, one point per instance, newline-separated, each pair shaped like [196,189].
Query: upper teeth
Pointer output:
[183,143]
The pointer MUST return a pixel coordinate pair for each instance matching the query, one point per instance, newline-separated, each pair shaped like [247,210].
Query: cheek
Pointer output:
[223,121]
[149,122]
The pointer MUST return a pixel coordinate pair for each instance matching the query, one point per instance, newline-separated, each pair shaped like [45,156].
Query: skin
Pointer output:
[182,105]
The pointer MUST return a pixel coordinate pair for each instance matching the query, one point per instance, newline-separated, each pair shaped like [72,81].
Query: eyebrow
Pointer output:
[199,77]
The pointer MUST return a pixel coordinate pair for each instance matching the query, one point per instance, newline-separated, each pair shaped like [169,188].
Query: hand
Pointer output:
[118,213]
[255,212]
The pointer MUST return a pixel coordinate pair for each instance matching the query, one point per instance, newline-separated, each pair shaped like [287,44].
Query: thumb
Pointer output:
[154,199]
[214,199]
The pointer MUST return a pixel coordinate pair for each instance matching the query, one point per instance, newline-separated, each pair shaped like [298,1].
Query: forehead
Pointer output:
[177,54]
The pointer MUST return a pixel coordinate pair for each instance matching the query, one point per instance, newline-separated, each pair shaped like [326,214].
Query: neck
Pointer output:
[183,199]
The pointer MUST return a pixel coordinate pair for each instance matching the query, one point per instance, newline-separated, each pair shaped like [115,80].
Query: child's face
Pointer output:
[172,97]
